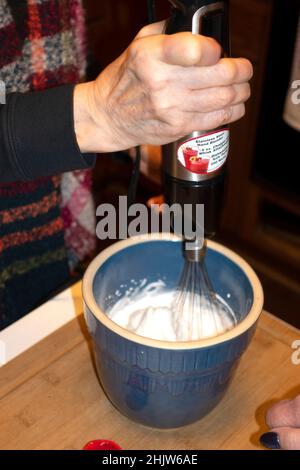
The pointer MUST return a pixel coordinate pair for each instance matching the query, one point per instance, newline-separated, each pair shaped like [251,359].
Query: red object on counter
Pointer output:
[102,445]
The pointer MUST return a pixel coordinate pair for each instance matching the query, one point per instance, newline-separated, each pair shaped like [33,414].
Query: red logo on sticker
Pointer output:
[193,162]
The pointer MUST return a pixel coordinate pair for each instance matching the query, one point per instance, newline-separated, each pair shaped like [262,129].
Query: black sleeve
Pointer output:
[37,136]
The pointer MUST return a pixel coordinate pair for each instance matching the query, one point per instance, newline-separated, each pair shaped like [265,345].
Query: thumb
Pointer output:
[187,50]
[181,49]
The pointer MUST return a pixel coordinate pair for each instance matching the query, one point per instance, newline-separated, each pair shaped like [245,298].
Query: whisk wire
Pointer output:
[197,305]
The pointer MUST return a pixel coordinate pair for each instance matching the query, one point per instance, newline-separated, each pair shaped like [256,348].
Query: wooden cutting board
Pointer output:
[50,397]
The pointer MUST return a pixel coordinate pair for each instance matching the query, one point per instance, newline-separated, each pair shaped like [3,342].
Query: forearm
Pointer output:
[37,136]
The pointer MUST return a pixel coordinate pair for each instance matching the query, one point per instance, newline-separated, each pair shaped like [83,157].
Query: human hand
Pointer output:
[283,420]
[160,89]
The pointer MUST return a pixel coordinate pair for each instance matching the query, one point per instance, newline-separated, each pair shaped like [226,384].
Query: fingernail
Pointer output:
[270,440]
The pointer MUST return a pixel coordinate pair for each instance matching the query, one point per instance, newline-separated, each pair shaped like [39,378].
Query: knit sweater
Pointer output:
[46,224]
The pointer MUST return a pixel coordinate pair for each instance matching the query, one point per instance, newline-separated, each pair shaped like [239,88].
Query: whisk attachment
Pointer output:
[190,312]
[196,304]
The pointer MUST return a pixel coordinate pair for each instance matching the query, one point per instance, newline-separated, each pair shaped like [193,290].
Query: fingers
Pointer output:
[212,120]
[284,413]
[283,420]
[187,49]
[184,123]
[225,72]
[213,99]
[188,52]
[284,438]
[189,60]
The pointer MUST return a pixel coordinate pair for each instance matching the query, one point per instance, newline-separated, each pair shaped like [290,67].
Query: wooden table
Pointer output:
[50,397]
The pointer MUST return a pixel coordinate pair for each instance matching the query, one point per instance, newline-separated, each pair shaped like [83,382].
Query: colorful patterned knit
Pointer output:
[46,226]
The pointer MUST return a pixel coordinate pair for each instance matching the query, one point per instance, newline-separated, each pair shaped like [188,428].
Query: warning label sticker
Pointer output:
[205,154]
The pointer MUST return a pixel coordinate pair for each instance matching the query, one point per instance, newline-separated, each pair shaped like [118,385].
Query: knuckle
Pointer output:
[138,54]
[142,65]
[132,50]
[157,104]
[229,72]
[250,69]
[247,92]
[225,116]
[227,96]
[143,31]
[161,107]
[242,111]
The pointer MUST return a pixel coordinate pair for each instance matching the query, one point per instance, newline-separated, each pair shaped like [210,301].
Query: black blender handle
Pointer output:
[209,18]
[151,11]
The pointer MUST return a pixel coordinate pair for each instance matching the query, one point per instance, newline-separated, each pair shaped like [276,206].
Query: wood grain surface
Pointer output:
[50,397]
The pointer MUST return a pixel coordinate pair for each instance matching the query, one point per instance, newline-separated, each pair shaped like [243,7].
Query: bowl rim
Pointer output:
[241,328]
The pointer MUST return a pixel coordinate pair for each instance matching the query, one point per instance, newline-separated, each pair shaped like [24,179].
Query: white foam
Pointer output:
[153,312]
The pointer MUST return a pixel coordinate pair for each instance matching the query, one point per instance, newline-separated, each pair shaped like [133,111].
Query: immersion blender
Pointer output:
[194,166]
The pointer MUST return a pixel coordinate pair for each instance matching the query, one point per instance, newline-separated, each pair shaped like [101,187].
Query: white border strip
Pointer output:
[36,326]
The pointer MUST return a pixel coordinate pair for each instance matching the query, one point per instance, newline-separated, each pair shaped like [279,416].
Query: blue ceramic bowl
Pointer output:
[157,383]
